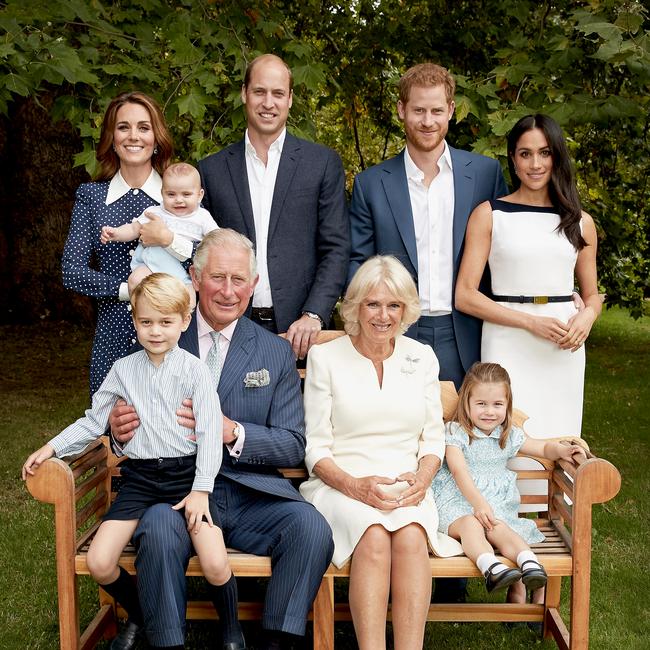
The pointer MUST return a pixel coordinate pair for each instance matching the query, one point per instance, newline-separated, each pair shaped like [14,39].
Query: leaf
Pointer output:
[193,103]
[464,106]
[16,84]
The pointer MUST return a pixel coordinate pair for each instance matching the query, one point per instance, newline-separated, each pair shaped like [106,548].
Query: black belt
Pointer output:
[265,314]
[537,300]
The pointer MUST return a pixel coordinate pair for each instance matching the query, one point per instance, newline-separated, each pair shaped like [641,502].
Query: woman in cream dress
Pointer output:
[375,439]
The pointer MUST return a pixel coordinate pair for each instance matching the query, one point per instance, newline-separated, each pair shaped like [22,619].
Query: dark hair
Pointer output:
[483,373]
[108,160]
[562,188]
[266,57]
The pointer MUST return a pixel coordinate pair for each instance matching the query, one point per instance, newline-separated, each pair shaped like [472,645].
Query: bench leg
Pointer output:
[324,616]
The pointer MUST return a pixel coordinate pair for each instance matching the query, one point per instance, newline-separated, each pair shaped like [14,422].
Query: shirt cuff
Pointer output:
[180,248]
[123,292]
[235,448]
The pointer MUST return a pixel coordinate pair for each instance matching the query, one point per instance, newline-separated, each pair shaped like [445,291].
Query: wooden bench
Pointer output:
[80,489]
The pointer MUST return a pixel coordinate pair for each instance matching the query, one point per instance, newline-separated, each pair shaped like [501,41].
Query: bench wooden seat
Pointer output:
[80,489]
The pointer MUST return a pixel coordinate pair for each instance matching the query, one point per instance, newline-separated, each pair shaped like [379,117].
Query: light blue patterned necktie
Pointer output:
[213,360]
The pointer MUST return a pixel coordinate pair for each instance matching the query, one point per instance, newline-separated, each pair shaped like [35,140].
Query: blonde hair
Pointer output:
[167,294]
[182,169]
[224,238]
[381,269]
[426,74]
[483,373]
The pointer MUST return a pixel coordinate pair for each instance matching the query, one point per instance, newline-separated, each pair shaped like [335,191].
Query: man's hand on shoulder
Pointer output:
[123,421]
[302,334]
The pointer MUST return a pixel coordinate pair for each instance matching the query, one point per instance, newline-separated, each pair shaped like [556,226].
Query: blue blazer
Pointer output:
[308,244]
[382,223]
[272,415]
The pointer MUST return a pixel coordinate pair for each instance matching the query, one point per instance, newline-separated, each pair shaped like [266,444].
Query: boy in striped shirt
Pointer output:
[163,464]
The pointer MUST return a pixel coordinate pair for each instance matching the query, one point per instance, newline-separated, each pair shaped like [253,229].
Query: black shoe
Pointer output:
[501,580]
[450,590]
[127,637]
[534,577]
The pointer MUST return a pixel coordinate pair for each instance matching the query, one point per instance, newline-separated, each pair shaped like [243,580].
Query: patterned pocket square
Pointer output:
[257,378]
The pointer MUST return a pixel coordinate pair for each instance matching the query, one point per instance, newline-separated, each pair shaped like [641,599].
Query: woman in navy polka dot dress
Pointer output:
[134,150]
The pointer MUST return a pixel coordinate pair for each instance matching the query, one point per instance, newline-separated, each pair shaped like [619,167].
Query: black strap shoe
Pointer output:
[501,580]
[127,637]
[533,577]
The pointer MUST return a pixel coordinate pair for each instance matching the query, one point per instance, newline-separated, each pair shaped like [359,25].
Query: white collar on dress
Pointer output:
[118,187]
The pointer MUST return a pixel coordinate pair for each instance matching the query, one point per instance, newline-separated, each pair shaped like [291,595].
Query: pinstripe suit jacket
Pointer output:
[272,415]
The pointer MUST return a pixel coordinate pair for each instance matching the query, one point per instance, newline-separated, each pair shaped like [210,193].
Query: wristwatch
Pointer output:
[236,431]
[315,316]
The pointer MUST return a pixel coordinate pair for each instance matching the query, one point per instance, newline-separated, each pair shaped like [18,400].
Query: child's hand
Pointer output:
[196,507]
[483,512]
[568,451]
[107,234]
[36,459]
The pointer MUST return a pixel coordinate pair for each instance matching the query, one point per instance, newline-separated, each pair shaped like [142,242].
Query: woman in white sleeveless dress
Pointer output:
[537,242]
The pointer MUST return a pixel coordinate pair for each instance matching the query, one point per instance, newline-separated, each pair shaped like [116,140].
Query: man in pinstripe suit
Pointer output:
[261,512]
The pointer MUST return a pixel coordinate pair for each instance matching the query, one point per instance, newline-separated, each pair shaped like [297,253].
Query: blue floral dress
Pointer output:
[487,464]
[97,270]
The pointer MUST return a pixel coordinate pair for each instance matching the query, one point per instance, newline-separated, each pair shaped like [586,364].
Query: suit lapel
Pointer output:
[240,350]
[239,176]
[463,194]
[189,339]
[396,188]
[289,160]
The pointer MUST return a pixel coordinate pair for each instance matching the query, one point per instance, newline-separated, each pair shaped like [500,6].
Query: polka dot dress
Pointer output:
[97,270]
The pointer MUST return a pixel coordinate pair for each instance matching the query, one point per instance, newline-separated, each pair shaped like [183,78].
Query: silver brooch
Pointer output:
[409,366]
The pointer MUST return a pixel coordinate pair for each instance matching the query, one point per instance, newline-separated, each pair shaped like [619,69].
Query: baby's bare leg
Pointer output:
[190,290]
[137,275]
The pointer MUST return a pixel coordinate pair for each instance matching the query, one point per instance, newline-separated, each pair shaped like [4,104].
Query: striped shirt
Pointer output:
[156,393]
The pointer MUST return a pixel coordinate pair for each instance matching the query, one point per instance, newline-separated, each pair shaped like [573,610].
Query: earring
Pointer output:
[155,150]
[114,149]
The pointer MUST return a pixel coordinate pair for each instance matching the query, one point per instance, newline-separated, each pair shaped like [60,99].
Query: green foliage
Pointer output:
[586,63]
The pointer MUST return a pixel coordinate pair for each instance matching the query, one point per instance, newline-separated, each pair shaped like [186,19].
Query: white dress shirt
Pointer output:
[261,184]
[203,330]
[433,221]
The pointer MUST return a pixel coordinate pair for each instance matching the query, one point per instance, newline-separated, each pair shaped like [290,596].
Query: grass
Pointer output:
[44,385]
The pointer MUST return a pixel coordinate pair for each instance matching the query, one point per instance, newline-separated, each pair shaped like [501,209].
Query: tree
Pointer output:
[586,63]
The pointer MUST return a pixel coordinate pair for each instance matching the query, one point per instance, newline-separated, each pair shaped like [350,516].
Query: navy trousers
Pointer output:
[438,332]
[293,533]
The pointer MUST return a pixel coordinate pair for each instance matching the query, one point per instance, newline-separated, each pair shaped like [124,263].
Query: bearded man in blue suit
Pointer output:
[416,206]
[263,429]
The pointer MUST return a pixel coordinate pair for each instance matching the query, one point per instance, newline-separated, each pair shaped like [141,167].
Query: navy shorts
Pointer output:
[145,483]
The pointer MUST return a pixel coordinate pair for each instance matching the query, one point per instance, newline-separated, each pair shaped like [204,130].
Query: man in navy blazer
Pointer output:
[263,429]
[287,196]
[416,206]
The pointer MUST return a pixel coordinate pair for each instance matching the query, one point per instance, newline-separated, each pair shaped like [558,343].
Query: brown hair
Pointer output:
[167,294]
[483,373]
[426,74]
[108,160]
[266,57]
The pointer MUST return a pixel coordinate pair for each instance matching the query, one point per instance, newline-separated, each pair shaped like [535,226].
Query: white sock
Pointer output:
[486,560]
[524,556]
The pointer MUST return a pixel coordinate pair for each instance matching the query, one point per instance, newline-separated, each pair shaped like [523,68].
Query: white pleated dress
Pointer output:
[367,429]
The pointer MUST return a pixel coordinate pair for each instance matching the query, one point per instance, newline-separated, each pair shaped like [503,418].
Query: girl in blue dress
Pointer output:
[134,150]
[476,494]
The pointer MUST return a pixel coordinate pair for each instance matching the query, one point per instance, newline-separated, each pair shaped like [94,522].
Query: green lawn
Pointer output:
[43,390]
